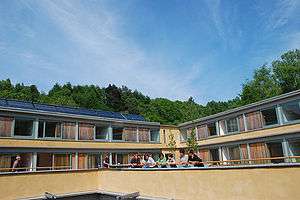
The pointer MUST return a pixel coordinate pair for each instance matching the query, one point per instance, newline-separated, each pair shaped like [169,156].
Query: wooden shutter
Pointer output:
[69,130]
[259,150]
[86,131]
[254,120]
[5,126]
[241,123]
[204,155]
[82,161]
[202,131]
[130,134]
[144,135]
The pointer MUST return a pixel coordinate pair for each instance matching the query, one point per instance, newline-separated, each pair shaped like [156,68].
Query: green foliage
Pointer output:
[172,143]
[281,77]
[262,86]
[191,142]
[287,71]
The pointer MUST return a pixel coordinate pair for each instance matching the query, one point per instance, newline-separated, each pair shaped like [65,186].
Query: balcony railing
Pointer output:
[207,164]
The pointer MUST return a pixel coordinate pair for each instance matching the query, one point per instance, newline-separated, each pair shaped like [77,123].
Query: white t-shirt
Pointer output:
[150,161]
[185,158]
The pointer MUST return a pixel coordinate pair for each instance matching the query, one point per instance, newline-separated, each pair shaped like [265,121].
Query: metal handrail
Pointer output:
[287,159]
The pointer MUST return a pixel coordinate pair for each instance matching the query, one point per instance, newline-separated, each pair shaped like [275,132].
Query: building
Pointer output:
[251,152]
[51,137]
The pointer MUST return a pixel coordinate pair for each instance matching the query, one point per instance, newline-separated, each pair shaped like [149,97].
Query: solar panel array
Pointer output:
[68,110]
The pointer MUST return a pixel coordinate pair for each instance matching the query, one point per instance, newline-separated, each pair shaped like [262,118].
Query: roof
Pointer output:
[242,108]
[30,106]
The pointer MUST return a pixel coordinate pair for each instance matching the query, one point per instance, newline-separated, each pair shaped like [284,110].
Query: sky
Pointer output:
[172,49]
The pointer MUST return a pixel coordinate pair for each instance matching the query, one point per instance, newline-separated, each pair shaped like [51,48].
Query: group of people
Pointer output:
[146,161]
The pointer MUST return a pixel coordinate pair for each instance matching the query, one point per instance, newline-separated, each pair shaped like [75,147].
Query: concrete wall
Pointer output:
[254,183]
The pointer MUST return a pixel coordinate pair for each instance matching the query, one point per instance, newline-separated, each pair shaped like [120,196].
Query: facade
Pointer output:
[266,129]
[49,137]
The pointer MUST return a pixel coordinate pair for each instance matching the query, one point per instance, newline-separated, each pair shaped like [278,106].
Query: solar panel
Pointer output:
[20,104]
[83,111]
[134,117]
[3,102]
[109,114]
[45,107]
[69,110]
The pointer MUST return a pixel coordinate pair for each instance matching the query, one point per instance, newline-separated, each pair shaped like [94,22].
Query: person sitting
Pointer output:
[194,159]
[171,161]
[135,161]
[17,164]
[106,162]
[183,160]
[149,161]
[161,161]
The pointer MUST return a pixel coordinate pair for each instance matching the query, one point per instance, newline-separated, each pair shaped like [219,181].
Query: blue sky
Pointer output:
[173,49]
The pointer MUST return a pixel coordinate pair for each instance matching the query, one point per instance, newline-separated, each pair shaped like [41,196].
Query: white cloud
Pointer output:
[103,55]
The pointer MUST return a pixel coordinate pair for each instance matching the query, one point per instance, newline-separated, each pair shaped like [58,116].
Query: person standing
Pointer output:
[17,164]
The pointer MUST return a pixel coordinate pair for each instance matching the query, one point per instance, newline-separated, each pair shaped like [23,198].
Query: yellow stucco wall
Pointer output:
[255,183]
[23,143]
[36,184]
[239,184]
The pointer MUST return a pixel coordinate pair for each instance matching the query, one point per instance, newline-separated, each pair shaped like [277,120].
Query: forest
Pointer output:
[281,76]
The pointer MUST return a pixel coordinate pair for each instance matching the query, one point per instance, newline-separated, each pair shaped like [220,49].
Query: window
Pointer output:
[294,146]
[269,116]
[212,130]
[232,125]
[7,161]
[275,150]
[291,111]
[23,127]
[52,129]
[41,129]
[44,161]
[214,154]
[49,129]
[183,135]
[154,135]
[101,133]
[234,153]
[117,133]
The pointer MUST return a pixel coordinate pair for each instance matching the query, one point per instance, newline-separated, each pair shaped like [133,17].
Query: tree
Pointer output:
[261,87]
[191,142]
[113,98]
[287,71]
[172,143]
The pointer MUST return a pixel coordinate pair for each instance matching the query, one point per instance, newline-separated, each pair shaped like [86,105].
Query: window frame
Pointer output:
[154,141]
[283,115]
[107,133]
[44,130]
[24,119]
[112,134]
[276,113]
[226,125]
